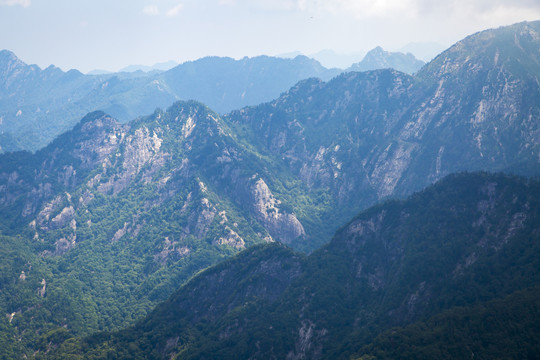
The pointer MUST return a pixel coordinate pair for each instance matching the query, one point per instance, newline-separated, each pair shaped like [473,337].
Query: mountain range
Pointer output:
[109,219]
[37,105]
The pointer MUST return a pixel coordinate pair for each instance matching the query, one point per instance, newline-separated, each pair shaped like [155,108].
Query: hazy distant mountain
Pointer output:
[225,84]
[380,59]
[36,105]
[164,66]
[156,68]
[365,136]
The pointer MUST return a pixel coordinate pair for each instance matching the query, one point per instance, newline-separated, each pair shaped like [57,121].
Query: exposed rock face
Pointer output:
[187,128]
[171,251]
[100,138]
[203,219]
[308,343]
[65,216]
[390,167]
[43,289]
[44,215]
[334,141]
[145,164]
[120,232]
[139,149]
[62,246]
[62,166]
[281,226]
[231,238]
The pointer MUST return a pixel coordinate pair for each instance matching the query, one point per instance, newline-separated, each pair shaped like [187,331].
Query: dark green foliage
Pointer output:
[451,250]
[257,275]
[505,328]
[11,349]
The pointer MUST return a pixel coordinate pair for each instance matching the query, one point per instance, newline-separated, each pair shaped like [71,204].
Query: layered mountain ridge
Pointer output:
[37,105]
[113,217]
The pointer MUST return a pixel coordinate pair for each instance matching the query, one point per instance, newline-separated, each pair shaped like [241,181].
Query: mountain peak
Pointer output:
[378,58]
[188,108]
[9,62]
[515,48]
[377,49]
[89,141]
[6,54]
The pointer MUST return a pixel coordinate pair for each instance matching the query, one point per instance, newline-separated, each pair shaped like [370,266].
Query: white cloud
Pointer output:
[263,5]
[480,7]
[175,10]
[464,9]
[151,10]
[378,8]
[278,5]
[23,3]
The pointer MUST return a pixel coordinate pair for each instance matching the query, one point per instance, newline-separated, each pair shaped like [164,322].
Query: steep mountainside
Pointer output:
[364,136]
[485,95]
[37,105]
[380,59]
[121,215]
[330,135]
[469,239]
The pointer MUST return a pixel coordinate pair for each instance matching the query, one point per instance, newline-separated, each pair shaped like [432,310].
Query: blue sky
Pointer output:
[112,34]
